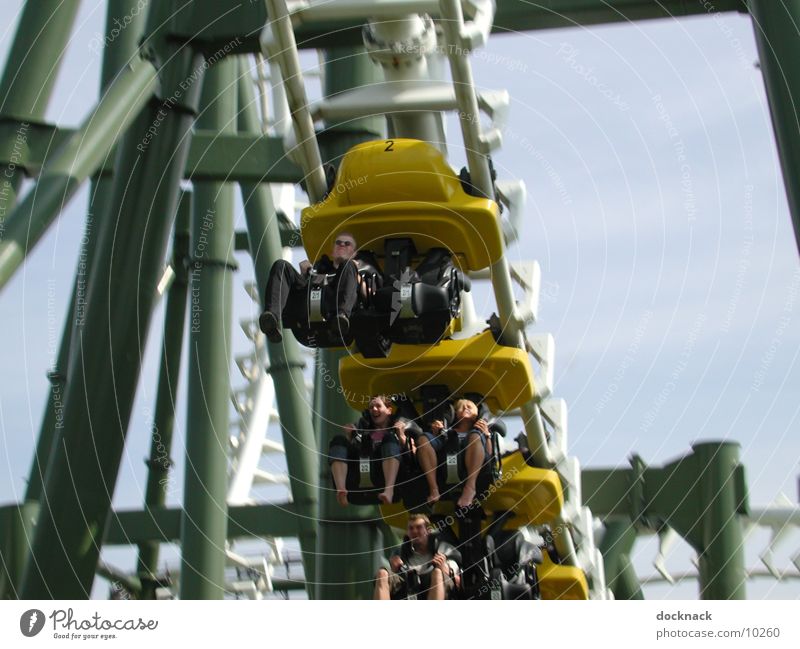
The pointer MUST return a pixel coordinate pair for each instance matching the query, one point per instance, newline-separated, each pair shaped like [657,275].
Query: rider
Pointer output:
[475,445]
[387,431]
[422,550]
[286,286]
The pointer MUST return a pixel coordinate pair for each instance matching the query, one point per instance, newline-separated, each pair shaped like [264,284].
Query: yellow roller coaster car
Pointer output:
[503,375]
[561,582]
[534,496]
[389,189]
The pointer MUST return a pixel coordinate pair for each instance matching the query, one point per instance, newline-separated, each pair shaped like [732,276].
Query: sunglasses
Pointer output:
[344,244]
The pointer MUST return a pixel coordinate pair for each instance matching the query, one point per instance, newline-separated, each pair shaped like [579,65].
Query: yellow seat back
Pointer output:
[403,189]
[534,495]
[503,375]
[561,582]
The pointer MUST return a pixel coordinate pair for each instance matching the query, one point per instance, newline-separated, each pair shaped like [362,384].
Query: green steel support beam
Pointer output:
[205,489]
[232,157]
[35,58]
[350,541]
[131,584]
[164,525]
[116,56]
[27,84]
[76,160]
[217,22]
[286,360]
[245,157]
[281,585]
[616,547]
[16,529]
[702,496]
[714,525]
[120,295]
[160,461]
[521,15]
[776,24]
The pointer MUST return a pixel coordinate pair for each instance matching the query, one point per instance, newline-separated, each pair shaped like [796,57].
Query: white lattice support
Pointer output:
[266,477]
[471,323]
[569,469]
[513,195]
[666,539]
[528,276]
[255,421]
[277,38]
[555,412]
[599,589]
[781,518]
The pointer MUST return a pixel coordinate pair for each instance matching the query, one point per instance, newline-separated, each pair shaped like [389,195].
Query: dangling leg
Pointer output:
[390,451]
[390,468]
[426,456]
[474,458]
[338,461]
[382,585]
[283,278]
[437,585]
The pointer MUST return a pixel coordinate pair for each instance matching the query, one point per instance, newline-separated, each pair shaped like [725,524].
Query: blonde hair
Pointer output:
[462,402]
[417,516]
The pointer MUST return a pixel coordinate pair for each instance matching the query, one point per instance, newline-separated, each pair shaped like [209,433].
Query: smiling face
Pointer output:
[344,247]
[380,412]
[417,531]
[466,413]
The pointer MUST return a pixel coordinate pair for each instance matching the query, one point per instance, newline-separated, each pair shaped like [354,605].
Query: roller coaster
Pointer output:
[178,104]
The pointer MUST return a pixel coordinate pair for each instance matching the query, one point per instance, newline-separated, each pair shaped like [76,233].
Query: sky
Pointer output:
[656,210]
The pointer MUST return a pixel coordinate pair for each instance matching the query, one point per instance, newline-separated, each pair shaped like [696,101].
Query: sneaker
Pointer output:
[268,323]
[342,324]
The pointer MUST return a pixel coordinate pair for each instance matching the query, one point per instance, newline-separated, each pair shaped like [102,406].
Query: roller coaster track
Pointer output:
[402,37]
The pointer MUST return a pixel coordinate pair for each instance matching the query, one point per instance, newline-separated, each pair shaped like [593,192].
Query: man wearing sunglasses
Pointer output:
[286,286]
